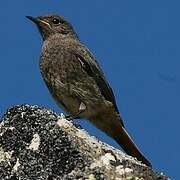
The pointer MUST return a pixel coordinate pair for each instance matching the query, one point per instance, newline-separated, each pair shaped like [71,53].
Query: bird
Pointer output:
[77,83]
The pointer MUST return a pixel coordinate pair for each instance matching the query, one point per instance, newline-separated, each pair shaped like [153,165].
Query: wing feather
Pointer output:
[93,69]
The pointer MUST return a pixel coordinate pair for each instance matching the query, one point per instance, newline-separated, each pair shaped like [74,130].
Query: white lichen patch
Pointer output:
[1,134]
[2,128]
[1,124]
[107,158]
[91,177]
[22,114]
[11,128]
[128,170]
[5,156]
[120,170]
[81,133]
[35,142]
[95,164]
[15,168]
[62,116]
[104,161]
[62,122]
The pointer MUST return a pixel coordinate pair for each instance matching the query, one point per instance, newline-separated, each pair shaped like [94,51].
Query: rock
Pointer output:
[37,144]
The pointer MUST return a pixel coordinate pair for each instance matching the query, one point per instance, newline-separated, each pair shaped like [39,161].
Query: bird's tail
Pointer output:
[127,144]
[112,126]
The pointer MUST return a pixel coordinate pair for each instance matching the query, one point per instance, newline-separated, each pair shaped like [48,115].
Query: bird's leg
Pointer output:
[82,108]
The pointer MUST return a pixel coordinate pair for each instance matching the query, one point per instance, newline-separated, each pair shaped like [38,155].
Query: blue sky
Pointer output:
[138,46]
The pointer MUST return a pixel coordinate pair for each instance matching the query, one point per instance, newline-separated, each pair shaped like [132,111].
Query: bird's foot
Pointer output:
[71,117]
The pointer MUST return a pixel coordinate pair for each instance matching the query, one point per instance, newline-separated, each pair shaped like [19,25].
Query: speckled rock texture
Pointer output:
[37,144]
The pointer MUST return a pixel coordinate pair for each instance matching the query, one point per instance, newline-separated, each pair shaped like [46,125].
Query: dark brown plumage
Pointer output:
[77,83]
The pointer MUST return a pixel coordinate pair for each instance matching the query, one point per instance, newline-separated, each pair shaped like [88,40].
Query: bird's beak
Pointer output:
[34,20]
[37,21]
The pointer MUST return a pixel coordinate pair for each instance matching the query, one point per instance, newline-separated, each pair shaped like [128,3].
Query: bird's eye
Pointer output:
[55,21]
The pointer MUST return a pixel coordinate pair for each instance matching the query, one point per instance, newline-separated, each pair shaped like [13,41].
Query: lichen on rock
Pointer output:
[36,143]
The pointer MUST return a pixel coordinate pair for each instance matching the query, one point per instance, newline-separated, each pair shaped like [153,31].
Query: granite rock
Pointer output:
[38,144]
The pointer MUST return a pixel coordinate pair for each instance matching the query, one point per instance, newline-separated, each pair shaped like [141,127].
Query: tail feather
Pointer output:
[127,144]
[111,124]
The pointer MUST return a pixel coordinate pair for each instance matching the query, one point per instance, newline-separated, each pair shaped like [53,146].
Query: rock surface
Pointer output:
[37,144]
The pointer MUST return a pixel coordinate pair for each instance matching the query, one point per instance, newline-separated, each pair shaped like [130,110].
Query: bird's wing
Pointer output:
[93,69]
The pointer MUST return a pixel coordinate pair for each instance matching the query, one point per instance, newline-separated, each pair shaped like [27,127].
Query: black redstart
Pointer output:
[77,83]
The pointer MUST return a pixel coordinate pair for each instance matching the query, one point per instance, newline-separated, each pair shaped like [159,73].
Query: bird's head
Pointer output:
[52,24]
